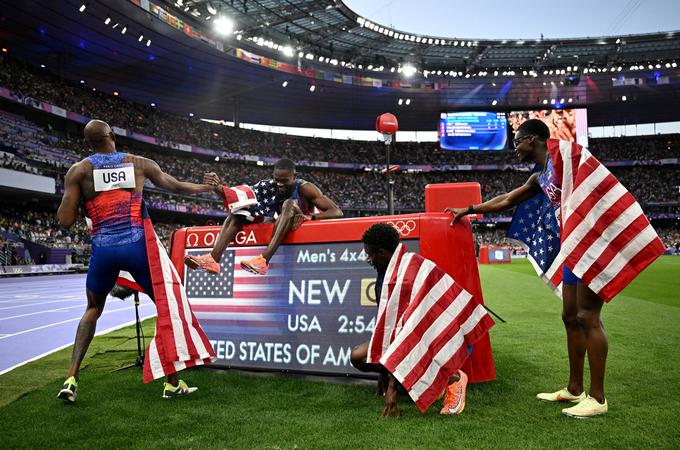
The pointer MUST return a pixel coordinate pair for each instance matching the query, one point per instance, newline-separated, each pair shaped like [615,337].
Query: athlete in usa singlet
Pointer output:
[117,227]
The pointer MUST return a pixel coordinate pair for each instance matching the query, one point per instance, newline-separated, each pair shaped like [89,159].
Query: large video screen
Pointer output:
[315,304]
[566,124]
[473,130]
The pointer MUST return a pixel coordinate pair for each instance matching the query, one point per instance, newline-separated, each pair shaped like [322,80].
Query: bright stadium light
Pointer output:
[107,21]
[312,88]
[123,30]
[284,84]
[494,103]
[223,25]
[148,42]
[408,70]
[83,7]
[141,38]
[287,50]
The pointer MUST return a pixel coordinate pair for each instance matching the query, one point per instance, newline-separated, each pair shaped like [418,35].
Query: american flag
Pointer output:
[424,326]
[238,197]
[235,300]
[535,226]
[179,341]
[606,239]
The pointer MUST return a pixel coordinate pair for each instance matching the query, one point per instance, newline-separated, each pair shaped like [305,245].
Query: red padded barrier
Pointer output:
[451,248]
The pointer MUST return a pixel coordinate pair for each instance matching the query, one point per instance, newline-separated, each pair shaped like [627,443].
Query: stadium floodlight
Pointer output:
[624,98]
[107,21]
[141,38]
[83,7]
[361,21]
[223,25]
[148,42]
[494,103]
[287,50]
[82,81]
[153,105]
[312,88]
[284,84]
[401,100]
[191,114]
[674,64]
[570,100]
[123,30]
[545,101]
[211,9]
[408,101]
[409,70]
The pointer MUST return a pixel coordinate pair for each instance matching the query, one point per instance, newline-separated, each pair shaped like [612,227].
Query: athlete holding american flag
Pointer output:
[605,241]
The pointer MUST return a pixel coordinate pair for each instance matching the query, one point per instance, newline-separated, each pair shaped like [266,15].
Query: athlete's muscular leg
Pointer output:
[284,224]
[576,339]
[230,228]
[588,316]
[86,329]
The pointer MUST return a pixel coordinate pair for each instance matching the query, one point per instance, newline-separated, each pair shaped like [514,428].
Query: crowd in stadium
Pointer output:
[28,147]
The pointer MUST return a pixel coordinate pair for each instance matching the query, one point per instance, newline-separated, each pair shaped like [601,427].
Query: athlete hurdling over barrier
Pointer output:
[293,201]
[110,185]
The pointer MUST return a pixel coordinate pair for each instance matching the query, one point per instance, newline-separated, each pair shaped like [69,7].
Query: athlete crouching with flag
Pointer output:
[425,328]
[109,184]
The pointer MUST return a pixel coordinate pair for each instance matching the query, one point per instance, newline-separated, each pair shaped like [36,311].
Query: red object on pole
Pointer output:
[386,124]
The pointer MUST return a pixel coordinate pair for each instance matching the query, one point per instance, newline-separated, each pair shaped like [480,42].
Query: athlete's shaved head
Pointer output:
[99,136]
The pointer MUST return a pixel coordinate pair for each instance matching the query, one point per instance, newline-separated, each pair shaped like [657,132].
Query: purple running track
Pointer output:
[39,315]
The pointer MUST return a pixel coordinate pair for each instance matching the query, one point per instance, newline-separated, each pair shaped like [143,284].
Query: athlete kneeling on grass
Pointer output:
[419,337]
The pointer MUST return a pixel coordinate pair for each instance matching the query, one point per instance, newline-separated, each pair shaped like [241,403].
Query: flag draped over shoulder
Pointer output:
[606,239]
[424,326]
[179,341]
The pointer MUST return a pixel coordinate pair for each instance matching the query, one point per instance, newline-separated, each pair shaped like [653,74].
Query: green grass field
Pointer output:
[235,410]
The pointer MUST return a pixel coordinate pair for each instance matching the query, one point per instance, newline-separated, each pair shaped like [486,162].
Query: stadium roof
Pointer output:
[175,59]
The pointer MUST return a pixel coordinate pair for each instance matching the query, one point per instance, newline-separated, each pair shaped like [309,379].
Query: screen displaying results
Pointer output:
[473,130]
[307,314]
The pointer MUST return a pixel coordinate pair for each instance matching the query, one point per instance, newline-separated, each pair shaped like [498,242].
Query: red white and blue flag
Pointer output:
[425,323]
[536,227]
[606,239]
[238,197]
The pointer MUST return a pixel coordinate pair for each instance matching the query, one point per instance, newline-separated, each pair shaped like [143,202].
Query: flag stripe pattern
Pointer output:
[238,197]
[606,239]
[179,341]
[425,323]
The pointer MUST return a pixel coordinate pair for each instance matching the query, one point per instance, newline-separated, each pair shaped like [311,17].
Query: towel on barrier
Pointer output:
[424,326]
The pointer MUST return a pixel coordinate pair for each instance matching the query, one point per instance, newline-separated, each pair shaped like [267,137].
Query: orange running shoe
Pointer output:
[203,261]
[257,265]
[454,401]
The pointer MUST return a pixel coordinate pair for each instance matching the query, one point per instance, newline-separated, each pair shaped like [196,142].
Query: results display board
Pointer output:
[475,130]
[316,303]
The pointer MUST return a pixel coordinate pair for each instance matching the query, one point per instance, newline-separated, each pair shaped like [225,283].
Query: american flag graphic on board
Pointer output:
[425,323]
[606,239]
[535,226]
[235,300]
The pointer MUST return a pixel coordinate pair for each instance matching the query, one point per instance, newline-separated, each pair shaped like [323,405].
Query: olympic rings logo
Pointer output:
[404,227]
